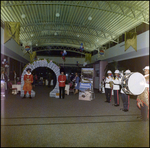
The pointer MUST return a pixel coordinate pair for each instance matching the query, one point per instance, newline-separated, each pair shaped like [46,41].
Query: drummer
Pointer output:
[108,86]
[125,97]
[116,88]
[143,98]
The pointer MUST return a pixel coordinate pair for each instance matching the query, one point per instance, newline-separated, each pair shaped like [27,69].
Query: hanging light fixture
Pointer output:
[89,18]
[57,14]
[23,15]
[55,33]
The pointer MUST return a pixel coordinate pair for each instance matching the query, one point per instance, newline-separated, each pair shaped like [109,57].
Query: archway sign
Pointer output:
[41,63]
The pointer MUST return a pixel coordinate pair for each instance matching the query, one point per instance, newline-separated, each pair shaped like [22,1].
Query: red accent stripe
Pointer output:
[110,94]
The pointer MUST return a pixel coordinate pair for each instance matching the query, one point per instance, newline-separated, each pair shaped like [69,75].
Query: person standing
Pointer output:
[77,79]
[125,97]
[28,80]
[143,98]
[108,86]
[62,80]
[15,77]
[116,88]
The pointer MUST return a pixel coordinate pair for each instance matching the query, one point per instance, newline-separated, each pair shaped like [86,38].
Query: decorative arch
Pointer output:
[41,63]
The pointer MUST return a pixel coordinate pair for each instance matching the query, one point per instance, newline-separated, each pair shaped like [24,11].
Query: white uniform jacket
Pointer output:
[121,87]
[107,80]
[117,82]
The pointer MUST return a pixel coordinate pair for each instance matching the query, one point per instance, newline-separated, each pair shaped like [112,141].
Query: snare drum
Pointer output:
[133,83]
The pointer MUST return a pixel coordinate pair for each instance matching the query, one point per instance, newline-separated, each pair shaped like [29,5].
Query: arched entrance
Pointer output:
[41,63]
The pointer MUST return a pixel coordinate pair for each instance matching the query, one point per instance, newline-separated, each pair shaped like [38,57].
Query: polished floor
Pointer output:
[52,122]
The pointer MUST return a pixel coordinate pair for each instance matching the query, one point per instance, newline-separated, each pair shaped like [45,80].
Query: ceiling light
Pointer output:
[97,40]
[89,18]
[23,15]
[31,35]
[55,33]
[77,35]
[57,14]
[36,44]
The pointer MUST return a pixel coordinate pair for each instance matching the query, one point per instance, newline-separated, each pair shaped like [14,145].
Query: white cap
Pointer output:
[146,67]
[116,71]
[109,71]
[127,71]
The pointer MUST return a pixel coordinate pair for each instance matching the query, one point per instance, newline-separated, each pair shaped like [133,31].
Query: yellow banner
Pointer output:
[12,30]
[130,40]
[32,56]
[87,57]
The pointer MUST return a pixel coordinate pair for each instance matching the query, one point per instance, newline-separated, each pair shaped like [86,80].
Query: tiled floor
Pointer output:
[51,122]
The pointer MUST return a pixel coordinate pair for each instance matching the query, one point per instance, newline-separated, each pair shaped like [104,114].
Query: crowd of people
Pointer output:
[110,83]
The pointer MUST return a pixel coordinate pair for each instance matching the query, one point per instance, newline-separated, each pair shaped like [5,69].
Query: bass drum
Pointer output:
[133,83]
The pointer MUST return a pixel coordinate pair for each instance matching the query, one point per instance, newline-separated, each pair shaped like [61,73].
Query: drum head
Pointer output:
[136,83]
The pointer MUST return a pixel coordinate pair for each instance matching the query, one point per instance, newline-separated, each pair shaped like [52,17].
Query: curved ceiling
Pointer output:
[70,23]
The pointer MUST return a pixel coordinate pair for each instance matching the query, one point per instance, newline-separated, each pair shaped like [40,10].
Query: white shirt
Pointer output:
[2,77]
[117,82]
[107,80]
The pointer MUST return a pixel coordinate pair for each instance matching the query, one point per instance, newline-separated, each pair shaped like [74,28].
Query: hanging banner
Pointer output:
[131,40]
[12,30]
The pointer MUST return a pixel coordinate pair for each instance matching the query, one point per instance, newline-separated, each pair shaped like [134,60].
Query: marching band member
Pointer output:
[108,86]
[116,88]
[143,98]
[125,97]
[28,80]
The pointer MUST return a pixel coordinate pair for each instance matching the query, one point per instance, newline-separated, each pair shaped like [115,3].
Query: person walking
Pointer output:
[28,80]
[62,80]
[108,86]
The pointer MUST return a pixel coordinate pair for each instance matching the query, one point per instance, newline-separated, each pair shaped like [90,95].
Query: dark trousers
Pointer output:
[125,100]
[144,112]
[108,94]
[116,97]
[62,92]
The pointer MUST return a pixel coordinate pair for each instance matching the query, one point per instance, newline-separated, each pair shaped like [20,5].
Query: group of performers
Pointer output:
[113,83]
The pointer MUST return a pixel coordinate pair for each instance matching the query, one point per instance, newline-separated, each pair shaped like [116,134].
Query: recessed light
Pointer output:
[77,35]
[36,44]
[23,15]
[89,18]
[31,35]
[55,33]
[57,14]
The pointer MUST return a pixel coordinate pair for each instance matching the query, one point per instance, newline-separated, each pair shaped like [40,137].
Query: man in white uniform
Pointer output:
[108,87]
[116,87]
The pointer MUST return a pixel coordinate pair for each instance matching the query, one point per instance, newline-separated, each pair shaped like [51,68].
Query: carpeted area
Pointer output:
[52,122]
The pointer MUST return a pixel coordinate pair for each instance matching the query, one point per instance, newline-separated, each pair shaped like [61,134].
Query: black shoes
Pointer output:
[30,97]
[116,104]
[125,110]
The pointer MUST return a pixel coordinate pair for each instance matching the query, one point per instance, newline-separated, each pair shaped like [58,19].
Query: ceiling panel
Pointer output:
[109,20]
